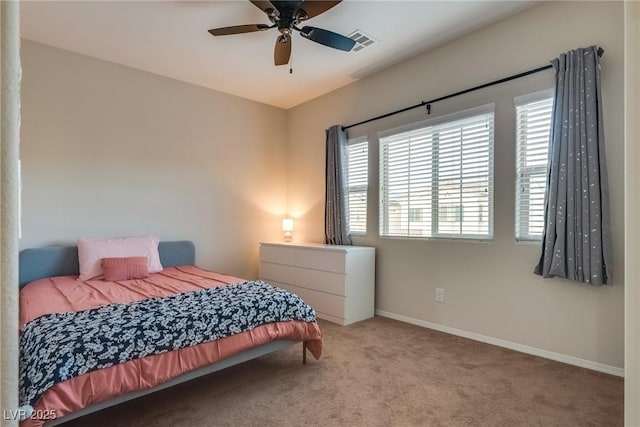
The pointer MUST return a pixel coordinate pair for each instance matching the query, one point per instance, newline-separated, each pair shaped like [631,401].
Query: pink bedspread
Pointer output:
[65,293]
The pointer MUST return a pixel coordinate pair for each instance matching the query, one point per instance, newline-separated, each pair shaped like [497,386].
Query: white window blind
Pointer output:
[357,183]
[533,122]
[436,177]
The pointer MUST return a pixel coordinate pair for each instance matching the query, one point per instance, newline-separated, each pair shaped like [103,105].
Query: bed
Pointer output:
[50,296]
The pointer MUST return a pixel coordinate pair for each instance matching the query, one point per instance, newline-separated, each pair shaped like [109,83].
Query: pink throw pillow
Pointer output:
[91,251]
[124,268]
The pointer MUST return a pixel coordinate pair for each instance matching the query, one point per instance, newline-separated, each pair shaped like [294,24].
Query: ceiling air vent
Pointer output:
[362,40]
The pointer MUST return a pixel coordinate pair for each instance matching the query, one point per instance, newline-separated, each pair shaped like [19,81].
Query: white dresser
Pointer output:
[337,281]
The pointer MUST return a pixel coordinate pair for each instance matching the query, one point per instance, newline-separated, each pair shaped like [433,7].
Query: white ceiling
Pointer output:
[170,38]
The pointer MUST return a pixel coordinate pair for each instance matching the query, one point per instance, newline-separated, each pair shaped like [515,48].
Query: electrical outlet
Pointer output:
[439,295]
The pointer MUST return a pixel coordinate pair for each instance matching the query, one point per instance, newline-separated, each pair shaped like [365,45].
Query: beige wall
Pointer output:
[111,151]
[489,287]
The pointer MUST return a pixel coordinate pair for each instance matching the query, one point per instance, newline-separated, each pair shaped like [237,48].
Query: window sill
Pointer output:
[439,239]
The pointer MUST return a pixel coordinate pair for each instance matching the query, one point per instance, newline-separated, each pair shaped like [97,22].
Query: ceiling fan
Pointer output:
[286,16]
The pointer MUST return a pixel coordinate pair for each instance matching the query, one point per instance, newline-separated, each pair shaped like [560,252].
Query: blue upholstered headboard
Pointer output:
[39,263]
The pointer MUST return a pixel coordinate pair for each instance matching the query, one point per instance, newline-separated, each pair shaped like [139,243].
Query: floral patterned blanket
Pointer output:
[59,346]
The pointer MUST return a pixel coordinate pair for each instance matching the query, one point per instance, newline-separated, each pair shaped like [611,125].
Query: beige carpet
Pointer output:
[383,373]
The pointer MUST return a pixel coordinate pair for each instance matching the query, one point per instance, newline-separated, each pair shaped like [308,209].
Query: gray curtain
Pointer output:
[336,226]
[576,242]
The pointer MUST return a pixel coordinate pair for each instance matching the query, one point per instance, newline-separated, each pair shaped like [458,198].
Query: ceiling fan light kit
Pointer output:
[286,16]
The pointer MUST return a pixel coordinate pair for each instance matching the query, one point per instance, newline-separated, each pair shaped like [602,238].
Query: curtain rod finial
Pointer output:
[600,51]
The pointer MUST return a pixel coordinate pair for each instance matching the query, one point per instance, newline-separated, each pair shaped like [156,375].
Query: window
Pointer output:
[450,213]
[415,214]
[357,183]
[436,177]
[533,125]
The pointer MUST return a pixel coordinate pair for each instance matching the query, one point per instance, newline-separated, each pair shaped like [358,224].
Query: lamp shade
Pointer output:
[287,229]
[287,225]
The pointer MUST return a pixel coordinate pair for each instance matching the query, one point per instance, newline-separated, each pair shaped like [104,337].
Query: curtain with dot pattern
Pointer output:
[336,224]
[576,242]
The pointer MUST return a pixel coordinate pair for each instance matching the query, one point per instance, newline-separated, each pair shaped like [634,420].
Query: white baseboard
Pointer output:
[571,360]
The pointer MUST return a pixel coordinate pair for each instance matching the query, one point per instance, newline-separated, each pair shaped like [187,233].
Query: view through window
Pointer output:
[436,177]
[357,184]
[533,124]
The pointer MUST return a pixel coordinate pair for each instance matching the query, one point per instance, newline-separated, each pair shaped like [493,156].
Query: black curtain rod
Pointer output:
[462,92]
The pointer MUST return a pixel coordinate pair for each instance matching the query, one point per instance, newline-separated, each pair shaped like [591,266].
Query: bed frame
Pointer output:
[40,263]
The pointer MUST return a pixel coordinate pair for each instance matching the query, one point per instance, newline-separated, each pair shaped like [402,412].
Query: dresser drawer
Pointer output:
[278,254]
[323,281]
[327,260]
[332,305]
[277,272]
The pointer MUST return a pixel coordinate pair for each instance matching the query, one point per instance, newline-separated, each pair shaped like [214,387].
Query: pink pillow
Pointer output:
[92,250]
[124,268]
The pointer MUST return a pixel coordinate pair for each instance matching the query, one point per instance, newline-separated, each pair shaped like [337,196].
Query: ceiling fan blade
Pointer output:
[267,7]
[328,38]
[282,51]
[238,29]
[313,8]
